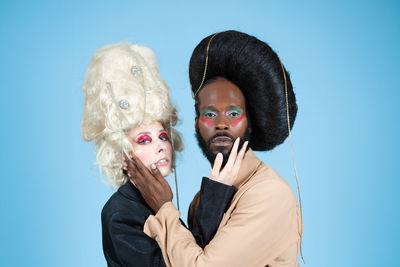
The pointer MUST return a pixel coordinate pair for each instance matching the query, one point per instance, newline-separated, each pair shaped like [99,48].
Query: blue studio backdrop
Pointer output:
[344,62]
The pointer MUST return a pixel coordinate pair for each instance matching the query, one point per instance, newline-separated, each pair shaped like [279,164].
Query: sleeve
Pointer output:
[262,225]
[214,199]
[130,245]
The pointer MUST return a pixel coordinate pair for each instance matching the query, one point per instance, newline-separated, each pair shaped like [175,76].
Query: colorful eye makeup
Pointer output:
[163,136]
[209,114]
[143,139]
[234,113]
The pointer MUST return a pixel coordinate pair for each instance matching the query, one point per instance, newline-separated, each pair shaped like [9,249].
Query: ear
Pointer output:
[196,121]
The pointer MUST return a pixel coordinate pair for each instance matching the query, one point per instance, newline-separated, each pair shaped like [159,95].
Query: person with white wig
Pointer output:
[128,112]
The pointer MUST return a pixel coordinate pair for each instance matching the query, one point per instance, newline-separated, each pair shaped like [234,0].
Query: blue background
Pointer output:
[344,62]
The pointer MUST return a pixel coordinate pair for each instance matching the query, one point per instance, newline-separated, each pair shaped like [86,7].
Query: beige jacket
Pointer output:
[260,228]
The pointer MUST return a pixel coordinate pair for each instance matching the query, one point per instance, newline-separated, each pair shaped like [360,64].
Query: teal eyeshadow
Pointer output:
[237,110]
[208,111]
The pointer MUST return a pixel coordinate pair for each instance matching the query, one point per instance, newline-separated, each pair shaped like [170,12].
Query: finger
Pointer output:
[233,154]
[134,172]
[124,166]
[127,158]
[139,165]
[144,174]
[133,182]
[130,165]
[217,166]
[159,177]
[240,157]
[156,172]
[139,179]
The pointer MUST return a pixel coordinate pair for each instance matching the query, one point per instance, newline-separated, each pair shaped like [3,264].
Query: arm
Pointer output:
[124,241]
[208,209]
[259,228]
[125,244]
[215,195]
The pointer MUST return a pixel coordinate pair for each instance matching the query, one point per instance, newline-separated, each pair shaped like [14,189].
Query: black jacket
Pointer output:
[124,214]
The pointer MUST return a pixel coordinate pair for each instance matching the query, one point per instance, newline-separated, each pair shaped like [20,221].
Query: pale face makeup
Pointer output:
[152,146]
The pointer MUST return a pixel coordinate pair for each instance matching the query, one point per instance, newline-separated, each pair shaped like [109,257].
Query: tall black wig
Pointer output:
[255,68]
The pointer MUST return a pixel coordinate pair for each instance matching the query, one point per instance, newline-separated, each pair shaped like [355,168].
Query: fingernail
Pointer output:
[153,166]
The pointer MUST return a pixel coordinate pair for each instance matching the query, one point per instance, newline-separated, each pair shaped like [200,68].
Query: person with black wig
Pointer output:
[241,89]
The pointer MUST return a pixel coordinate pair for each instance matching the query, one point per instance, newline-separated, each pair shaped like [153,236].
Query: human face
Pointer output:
[222,118]
[151,145]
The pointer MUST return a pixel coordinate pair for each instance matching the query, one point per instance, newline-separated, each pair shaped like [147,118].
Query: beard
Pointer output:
[211,155]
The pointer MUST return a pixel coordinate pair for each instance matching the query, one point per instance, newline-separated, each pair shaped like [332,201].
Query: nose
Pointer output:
[221,124]
[161,146]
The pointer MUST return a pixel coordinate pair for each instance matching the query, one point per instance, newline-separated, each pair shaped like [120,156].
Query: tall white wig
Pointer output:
[123,89]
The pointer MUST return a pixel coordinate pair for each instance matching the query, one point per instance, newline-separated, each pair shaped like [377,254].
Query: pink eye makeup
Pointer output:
[236,114]
[207,116]
[143,139]
[163,136]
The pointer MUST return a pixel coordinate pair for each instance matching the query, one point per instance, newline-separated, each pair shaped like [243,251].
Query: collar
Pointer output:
[248,167]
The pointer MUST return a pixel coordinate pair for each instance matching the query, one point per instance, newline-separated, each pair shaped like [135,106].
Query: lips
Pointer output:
[162,162]
[222,141]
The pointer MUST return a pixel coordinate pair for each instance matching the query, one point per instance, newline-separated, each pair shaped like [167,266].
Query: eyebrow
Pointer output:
[207,107]
[232,106]
[235,107]
[149,133]
[144,133]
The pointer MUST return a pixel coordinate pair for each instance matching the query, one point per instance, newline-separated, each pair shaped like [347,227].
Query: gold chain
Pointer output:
[293,159]
[205,66]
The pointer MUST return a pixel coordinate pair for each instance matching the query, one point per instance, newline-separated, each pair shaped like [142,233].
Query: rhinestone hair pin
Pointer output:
[136,70]
[124,104]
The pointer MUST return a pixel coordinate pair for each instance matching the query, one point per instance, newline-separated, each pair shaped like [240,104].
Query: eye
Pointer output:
[209,114]
[143,139]
[234,113]
[163,136]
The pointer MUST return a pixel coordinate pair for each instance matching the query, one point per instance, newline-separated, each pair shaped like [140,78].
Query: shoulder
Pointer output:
[120,207]
[266,185]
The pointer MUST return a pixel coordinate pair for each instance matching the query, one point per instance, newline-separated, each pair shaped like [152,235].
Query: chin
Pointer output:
[221,149]
[165,170]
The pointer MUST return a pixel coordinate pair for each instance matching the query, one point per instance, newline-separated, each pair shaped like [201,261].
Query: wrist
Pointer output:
[163,204]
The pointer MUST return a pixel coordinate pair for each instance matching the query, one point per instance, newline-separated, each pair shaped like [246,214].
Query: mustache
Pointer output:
[225,134]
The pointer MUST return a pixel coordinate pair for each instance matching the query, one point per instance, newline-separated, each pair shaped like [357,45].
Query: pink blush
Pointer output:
[207,122]
[237,120]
